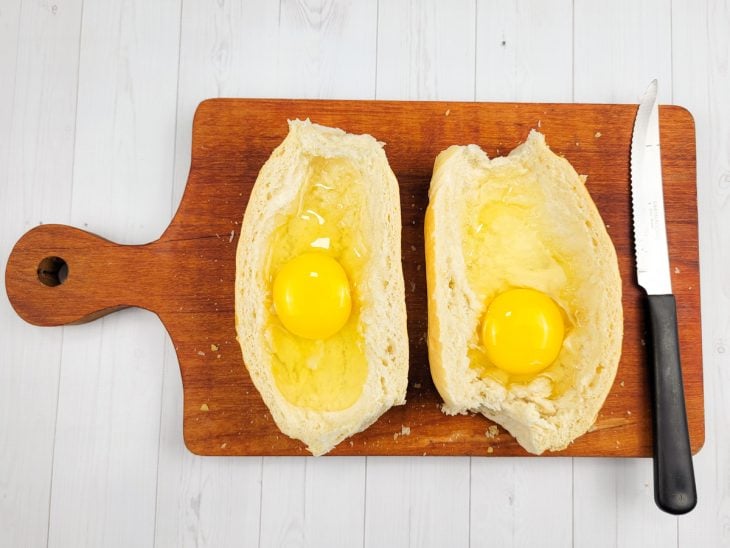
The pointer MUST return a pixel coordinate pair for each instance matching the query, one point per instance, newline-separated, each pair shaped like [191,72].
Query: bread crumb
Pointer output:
[218,356]
[417,385]
[230,238]
[622,383]
[352,443]
[492,432]
[204,407]
[214,347]
[539,123]
[418,267]
[597,135]
[395,436]
[201,353]
[413,286]
[628,413]
[643,342]
[413,248]
[224,445]
[577,144]
[405,430]
[490,449]
[448,111]
[676,270]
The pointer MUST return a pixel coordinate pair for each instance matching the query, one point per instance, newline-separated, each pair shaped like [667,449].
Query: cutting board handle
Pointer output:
[59,275]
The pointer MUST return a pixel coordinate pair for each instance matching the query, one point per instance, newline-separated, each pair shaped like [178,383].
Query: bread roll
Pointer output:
[537,228]
[366,208]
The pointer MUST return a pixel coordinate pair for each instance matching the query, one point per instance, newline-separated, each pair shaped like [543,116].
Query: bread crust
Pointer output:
[538,421]
[384,319]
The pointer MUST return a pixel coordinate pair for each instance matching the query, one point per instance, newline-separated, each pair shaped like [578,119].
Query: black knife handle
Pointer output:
[674,478]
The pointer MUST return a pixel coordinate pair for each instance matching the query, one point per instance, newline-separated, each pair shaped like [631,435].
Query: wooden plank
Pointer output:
[426,50]
[282,521]
[38,71]
[9,31]
[201,501]
[615,502]
[700,47]
[509,501]
[106,451]
[220,49]
[334,501]
[226,157]
[323,49]
[220,55]
[638,521]
[390,494]
[524,52]
[619,48]
[418,502]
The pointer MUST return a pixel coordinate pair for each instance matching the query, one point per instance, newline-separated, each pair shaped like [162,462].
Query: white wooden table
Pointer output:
[96,106]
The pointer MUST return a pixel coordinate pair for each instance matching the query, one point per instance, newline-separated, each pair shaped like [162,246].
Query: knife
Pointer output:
[674,481]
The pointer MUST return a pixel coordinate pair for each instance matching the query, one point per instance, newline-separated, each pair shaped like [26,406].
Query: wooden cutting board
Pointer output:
[186,277]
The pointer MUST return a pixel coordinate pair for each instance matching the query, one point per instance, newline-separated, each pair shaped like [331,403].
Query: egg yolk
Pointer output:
[522,331]
[311,295]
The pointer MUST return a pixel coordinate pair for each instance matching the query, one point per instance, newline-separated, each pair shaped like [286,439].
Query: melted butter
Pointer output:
[504,247]
[323,375]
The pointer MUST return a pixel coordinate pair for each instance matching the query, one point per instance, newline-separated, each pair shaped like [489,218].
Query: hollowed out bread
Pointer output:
[383,316]
[566,223]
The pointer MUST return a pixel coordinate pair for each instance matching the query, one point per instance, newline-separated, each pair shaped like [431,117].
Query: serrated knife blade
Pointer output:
[674,481]
[647,199]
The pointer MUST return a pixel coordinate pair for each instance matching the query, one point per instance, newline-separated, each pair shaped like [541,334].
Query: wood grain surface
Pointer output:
[186,277]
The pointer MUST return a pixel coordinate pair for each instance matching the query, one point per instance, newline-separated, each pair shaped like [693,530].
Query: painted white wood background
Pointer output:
[96,106]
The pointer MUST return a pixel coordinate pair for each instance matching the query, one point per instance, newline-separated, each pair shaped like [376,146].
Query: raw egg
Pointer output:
[311,296]
[522,331]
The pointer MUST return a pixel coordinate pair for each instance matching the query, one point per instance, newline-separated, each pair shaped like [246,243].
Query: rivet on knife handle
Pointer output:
[674,481]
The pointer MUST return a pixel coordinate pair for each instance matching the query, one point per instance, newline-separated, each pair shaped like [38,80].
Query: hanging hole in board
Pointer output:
[52,271]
